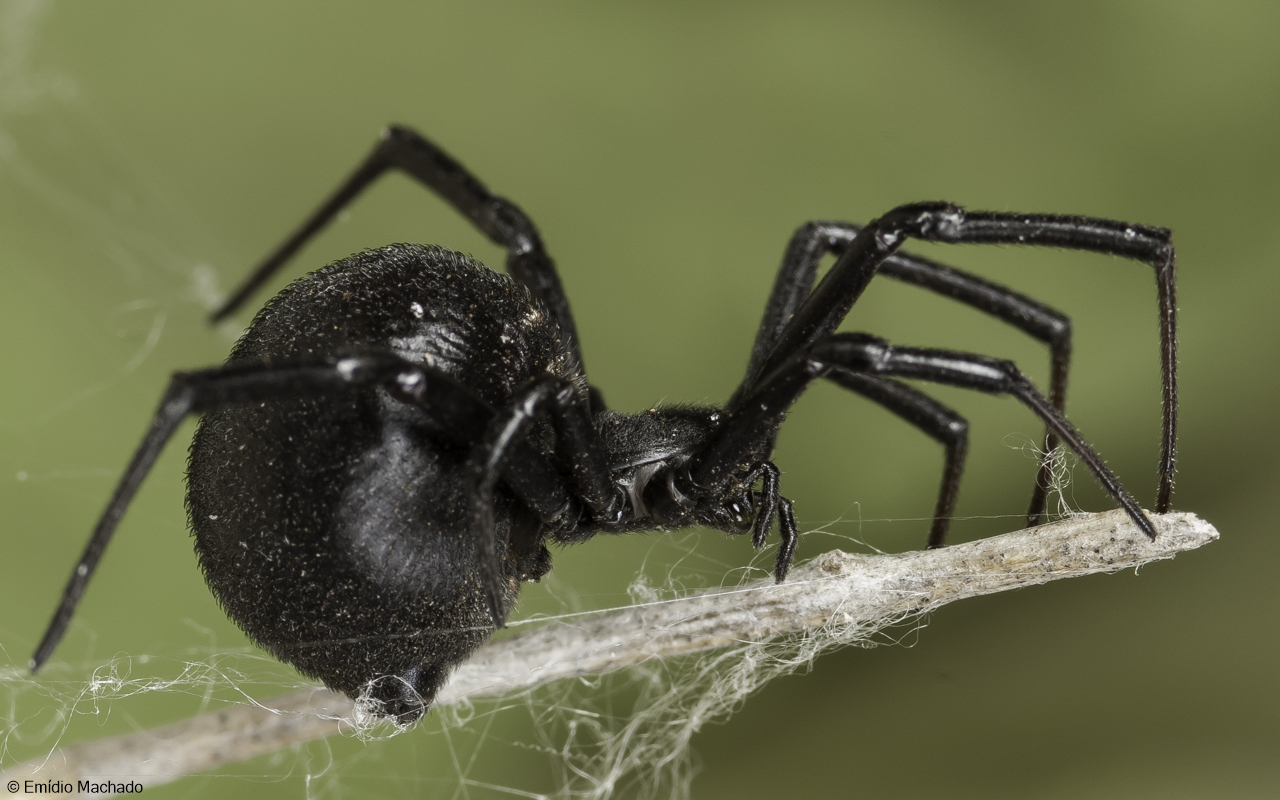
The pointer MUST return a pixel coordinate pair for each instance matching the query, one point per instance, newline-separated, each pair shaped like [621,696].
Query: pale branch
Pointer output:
[835,589]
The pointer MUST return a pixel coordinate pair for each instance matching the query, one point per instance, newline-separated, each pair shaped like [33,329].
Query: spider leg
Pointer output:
[812,240]
[578,446]
[938,421]
[799,270]
[496,217]
[816,314]
[763,409]
[453,412]
[869,354]
[1037,320]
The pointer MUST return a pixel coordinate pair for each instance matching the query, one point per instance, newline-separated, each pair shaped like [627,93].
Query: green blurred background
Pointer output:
[152,151]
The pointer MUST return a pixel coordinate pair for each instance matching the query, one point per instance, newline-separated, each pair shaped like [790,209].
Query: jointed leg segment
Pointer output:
[764,407]
[941,423]
[496,217]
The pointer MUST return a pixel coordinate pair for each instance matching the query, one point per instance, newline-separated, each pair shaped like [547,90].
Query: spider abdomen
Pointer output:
[334,530]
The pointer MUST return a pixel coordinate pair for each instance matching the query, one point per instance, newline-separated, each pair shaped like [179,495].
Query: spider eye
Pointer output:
[740,513]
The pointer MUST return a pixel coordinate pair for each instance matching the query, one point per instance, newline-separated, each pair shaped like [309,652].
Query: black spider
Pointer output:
[395,439]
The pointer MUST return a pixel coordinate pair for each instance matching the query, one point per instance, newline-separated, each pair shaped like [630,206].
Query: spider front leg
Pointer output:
[870,354]
[823,309]
[799,271]
[761,412]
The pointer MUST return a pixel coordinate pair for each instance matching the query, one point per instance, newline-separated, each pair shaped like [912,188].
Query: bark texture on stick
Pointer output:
[835,589]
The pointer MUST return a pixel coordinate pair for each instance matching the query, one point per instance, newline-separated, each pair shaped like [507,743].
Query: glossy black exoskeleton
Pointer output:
[398,436]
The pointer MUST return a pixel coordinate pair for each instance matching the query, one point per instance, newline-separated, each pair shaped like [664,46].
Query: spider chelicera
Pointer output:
[396,438]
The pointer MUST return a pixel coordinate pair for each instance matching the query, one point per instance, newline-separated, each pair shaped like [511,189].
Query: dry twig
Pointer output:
[833,589]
